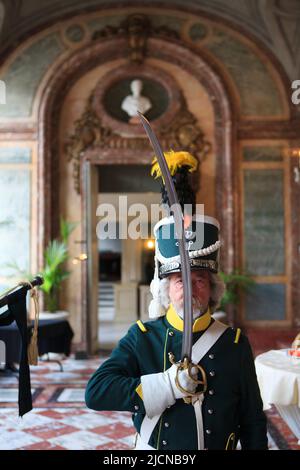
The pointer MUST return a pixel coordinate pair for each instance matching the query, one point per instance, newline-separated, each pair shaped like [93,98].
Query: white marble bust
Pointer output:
[135,102]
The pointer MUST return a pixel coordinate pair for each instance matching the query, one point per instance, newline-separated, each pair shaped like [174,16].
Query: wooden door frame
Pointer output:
[285,278]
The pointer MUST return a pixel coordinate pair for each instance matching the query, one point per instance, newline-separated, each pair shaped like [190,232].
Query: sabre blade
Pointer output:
[187,340]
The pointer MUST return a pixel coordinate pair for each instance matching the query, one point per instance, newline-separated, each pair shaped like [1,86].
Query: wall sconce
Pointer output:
[150,244]
[296,169]
[78,259]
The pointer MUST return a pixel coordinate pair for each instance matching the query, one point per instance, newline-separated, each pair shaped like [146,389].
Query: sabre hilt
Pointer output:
[187,365]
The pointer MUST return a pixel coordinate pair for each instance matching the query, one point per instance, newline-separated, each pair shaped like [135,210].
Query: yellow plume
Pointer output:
[175,160]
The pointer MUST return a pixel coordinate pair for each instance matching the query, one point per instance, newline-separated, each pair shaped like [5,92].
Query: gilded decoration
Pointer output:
[183,131]
[100,128]
[137,28]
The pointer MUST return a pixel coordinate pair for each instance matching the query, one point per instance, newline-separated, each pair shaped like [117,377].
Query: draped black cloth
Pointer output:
[16,302]
[53,336]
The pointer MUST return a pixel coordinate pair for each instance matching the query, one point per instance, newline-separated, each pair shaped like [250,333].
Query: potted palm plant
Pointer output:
[236,283]
[54,272]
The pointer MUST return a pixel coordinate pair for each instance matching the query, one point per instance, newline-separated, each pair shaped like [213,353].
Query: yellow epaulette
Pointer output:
[237,336]
[141,326]
[139,391]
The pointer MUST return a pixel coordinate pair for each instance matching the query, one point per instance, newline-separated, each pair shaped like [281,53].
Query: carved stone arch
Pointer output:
[65,75]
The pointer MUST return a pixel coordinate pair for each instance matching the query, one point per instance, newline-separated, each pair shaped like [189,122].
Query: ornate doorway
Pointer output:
[200,124]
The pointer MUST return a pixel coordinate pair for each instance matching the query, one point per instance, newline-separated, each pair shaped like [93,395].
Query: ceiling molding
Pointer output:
[273,22]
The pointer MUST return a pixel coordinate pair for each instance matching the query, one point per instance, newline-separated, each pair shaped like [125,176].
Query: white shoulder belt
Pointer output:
[200,348]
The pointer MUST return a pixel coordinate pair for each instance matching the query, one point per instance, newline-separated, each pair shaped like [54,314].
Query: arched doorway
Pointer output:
[234,122]
[160,51]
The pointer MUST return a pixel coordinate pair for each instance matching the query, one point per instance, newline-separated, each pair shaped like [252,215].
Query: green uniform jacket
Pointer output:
[232,407]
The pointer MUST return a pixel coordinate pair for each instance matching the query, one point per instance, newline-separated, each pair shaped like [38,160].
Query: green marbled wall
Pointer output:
[25,74]
[14,210]
[263,154]
[258,92]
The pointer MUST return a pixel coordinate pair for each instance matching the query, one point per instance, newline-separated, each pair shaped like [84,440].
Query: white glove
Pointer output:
[160,390]
[184,379]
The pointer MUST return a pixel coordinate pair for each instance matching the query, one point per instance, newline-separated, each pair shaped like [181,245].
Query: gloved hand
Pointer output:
[160,390]
[184,379]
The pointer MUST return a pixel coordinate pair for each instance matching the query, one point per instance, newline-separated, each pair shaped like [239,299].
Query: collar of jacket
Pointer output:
[200,323]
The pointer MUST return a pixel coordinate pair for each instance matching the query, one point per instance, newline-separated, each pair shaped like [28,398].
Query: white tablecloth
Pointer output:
[278,377]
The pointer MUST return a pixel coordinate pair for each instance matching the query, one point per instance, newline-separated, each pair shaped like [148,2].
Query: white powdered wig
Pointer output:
[160,297]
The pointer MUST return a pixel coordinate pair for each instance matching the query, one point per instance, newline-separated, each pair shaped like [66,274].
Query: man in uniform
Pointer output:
[140,375]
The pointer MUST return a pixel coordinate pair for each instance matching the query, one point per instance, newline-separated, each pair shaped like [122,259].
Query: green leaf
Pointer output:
[55,254]
[236,283]
[66,228]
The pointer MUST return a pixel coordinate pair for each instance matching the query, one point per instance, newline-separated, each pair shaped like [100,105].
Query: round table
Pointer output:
[278,377]
[53,336]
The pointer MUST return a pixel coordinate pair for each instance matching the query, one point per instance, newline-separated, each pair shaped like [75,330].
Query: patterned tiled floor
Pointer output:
[65,428]
[60,419]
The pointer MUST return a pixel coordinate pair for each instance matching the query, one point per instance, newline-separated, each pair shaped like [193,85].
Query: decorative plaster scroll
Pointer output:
[137,28]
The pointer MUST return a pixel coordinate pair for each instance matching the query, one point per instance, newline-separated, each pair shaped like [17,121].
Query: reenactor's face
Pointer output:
[200,287]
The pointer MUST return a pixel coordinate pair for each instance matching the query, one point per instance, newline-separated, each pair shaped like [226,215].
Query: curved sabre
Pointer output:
[187,340]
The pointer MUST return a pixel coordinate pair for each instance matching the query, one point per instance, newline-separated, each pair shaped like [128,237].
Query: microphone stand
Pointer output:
[37,281]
